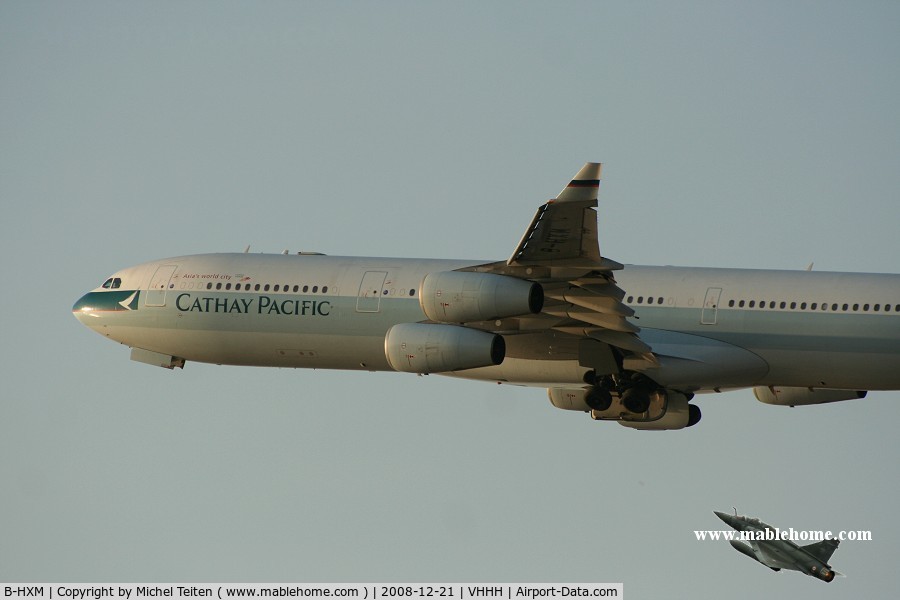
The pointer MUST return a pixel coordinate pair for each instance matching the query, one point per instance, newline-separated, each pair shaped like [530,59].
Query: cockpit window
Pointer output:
[108,283]
[113,283]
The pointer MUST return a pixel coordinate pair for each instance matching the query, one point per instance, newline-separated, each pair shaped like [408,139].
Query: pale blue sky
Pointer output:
[761,134]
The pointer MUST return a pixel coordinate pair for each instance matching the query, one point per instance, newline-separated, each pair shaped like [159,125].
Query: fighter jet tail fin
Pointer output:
[822,550]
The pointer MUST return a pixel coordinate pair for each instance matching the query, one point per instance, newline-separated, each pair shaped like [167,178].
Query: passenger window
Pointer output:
[315,289]
[296,288]
[324,289]
[275,289]
[305,288]
[257,287]
[741,304]
[266,288]
[227,286]
[753,303]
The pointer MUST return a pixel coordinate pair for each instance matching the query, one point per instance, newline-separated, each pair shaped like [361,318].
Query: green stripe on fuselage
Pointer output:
[107,301]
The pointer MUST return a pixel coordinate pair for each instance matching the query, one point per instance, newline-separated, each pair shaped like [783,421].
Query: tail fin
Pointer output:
[822,550]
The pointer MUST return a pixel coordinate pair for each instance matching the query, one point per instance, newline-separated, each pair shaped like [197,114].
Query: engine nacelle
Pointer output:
[436,348]
[678,415]
[460,297]
[796,396]
[569,398]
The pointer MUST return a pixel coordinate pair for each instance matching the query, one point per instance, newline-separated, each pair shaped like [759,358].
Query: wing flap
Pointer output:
[596,302]
[613,322]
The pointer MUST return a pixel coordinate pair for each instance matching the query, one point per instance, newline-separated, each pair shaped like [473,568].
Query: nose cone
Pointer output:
[730,520]
[84,308]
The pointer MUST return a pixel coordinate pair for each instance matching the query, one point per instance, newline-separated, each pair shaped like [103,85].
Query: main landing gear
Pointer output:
[636,401]
[633,389]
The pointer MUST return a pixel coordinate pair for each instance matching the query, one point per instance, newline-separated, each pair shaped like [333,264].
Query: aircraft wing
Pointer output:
[563,232]
[560,250]
[822,550]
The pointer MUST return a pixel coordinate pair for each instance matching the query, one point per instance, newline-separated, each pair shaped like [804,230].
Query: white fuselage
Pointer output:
[710,328]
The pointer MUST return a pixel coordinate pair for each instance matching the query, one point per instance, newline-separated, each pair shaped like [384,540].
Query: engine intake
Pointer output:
[437,348]
[462,297]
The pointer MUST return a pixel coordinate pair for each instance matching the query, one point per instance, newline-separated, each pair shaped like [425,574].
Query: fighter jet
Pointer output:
[768,548]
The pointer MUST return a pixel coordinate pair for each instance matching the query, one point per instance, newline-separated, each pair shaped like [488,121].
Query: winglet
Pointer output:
[585,185]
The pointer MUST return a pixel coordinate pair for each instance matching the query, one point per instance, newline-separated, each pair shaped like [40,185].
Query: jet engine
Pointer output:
[462,297]
[797,396]
[436,348]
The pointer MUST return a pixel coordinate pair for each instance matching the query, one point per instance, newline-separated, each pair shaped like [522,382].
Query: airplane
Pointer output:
[625,343]
[778,553]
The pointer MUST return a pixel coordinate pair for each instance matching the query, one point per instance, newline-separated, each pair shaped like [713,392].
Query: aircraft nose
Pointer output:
[728,519]
[83,308]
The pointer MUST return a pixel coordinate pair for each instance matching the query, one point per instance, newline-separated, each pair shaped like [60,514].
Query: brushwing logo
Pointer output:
[130,303]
